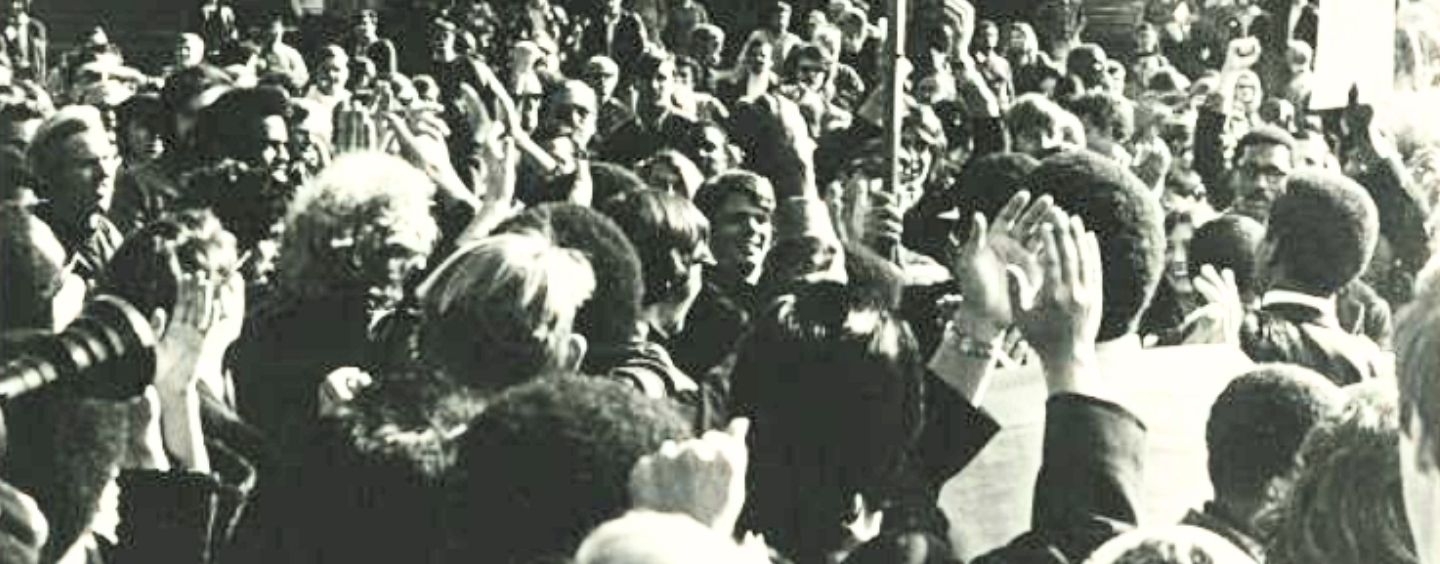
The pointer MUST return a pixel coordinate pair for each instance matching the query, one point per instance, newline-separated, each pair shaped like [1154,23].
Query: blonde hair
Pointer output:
[361,203]
[505,306]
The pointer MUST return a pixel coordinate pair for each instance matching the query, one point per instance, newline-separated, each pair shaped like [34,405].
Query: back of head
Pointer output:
[834,387]
[231,125]
[1126,219]
[1230,241]
[31,270]
[609,318]
[609,180]
[363,207]
[986,184]
[499,312]
[1173,544]
[667,232]
[1323,229]
[1346,505]
[146,269]
[1258,423]
[647,537]
[1034,115]
[548,461]
[63,450]
[1110,114]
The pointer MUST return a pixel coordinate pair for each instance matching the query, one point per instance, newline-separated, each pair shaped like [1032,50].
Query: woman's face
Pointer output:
[1177,256]
[758,57]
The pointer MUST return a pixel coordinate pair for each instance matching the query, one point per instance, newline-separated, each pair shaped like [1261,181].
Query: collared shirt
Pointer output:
[1326,306]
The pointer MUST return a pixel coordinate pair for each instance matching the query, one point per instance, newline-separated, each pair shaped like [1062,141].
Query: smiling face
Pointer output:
[742,234]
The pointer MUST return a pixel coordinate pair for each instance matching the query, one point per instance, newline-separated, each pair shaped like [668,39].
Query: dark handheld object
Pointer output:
[107,352]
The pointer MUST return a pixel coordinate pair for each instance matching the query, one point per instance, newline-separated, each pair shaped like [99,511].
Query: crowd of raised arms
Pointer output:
[615,282]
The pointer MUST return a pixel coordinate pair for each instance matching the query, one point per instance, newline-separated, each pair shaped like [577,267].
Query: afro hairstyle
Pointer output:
[1125,217]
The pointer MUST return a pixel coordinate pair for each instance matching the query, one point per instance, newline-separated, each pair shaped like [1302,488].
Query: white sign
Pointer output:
[1355,46]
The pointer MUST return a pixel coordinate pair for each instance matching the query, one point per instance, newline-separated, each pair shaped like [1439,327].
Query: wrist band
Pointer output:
[971,346]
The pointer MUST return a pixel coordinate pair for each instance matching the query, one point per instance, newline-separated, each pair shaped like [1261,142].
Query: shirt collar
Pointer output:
[1325,306]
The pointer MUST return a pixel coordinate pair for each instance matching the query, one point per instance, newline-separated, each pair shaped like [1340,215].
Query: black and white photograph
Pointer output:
[720,281]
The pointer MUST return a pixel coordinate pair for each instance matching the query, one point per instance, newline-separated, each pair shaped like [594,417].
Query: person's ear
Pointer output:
[575,348]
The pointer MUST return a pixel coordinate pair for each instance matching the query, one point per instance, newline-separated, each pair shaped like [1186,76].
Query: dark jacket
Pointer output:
[164,517]
[1089,483]
[371,483]
[1299,334]
[1213,519]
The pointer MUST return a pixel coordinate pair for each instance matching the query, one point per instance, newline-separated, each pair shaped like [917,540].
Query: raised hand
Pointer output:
[181,349]
[703,478]
[1064,321]
[1220,319]
[356,128]
[992,260]
[1242,53]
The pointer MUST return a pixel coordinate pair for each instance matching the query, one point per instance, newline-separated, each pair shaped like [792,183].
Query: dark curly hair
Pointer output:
[550,460]
[1126,219]
[1229,241]
[1324,227]
[1257,424]
[1347,504]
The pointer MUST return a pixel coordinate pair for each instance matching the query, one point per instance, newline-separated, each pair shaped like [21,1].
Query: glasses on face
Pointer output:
[1270,173]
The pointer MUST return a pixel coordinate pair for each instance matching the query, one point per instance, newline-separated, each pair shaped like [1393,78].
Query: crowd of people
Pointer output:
[524,281]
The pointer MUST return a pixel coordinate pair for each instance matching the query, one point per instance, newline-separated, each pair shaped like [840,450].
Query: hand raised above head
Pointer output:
[995,261]
[703,478]
[1063,323]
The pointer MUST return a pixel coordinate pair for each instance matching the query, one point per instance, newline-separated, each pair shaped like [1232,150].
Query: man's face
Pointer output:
[742,234]
[188,53]
[990,36]
[575,114]
[1147,40]
[271,149]
[1259,178]
[707,49]
[659,88]
[442,45]
[85,180]
[713,158]
[333,75]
